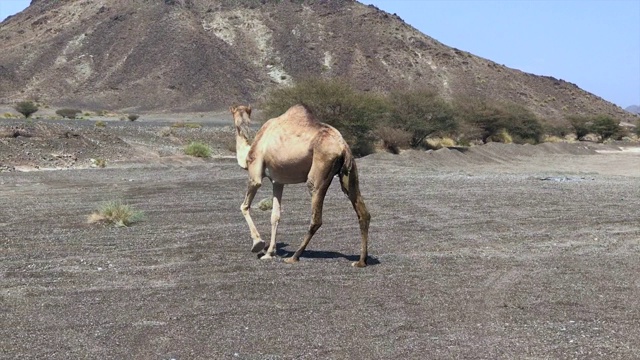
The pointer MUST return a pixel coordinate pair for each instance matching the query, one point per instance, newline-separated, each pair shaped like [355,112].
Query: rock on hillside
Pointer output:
[196,55]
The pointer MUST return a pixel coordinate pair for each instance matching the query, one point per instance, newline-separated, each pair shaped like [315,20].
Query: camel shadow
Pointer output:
[320,254]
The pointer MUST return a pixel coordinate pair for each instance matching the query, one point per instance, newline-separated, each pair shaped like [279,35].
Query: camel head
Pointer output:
[241,115]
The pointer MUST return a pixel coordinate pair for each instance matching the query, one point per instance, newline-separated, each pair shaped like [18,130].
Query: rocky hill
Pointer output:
[200,55]
[635,109]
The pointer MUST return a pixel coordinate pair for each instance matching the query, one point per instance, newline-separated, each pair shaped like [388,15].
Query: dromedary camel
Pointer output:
[291,149]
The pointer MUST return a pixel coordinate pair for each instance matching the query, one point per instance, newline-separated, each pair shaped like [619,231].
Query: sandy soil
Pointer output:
[499,252]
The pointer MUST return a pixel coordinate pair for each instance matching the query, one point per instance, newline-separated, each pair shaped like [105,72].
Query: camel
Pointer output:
[295,148]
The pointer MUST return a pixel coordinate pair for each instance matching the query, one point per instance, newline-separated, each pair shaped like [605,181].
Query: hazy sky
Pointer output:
[592,43]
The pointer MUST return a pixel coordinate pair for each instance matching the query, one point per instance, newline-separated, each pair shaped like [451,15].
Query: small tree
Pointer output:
[26,108]
[421,113]
[133,117]
[581,125]
[489,119]
[605,126]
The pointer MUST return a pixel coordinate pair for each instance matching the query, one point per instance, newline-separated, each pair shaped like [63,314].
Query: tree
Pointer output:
[26,108]
[605,126]
[421,113]
[581,125]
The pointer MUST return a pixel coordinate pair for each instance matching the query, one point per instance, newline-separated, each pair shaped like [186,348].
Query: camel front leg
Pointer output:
[258,243]
[275,219]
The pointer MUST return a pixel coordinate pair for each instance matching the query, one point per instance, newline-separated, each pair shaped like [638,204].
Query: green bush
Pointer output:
[355,114]
[486,119]
[605,126]
[602,125]
[26,108]
[133,117]
[421,113]
[198,149]
[68,113]
[580,124]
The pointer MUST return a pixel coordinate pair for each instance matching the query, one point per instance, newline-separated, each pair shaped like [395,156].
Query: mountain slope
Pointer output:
[177,55]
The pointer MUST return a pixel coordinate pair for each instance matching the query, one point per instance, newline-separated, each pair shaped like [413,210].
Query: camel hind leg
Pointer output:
[319,179]
[317,201]
[350,186]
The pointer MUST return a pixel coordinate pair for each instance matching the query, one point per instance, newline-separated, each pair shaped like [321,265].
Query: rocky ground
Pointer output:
[497,252]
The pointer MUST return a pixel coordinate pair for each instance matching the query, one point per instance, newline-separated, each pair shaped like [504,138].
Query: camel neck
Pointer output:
[242,145]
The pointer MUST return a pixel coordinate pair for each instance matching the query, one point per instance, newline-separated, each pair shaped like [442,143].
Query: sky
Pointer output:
[594,44]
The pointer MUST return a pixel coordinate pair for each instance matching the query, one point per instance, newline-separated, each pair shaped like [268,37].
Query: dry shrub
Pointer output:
[116,213]
[553,139]
[265,204]
[394,139]
[439,143]
[502,136]
[198,149]
[188,125]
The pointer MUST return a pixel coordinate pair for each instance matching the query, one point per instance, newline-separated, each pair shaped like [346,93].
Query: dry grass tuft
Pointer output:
[116,213]
[198,149]
[439,143]
[265,204]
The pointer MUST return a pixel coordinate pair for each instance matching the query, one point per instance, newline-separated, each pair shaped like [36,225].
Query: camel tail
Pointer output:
[350,186]
[349,174]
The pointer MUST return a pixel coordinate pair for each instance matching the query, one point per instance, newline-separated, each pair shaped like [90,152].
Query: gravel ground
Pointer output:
[501,252]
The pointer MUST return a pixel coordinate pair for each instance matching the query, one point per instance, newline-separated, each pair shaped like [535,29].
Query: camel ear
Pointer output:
[249,109]
[232,109]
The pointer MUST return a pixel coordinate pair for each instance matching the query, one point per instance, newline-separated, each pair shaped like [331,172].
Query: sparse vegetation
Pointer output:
[198,149]
[68,113]
[99,162]
[581,125]
[602,125]
[265,204]
[133,117]
[421,113]
[606,127]
[116,213]
[486,119]
[502,136]
[439,142]
[188,125]
[101,124]
[26,108]
[393,139]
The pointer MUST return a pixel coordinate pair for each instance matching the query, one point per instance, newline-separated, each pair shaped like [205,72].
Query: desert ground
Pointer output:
[497,252]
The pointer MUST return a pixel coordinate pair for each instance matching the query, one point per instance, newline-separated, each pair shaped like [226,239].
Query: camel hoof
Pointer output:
[258,246]
[267,256]
[359,264]
[291,260]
